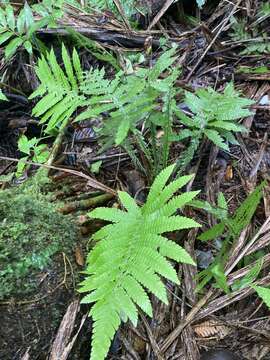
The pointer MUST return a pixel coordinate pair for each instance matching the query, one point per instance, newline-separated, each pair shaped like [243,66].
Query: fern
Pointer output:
[127,100]
[130,256]
[260,45]
[215,116]
[231,227]
[264,11]
[255,40]
[51,10]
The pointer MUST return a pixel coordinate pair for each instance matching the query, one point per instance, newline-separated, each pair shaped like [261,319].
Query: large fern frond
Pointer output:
[131,255]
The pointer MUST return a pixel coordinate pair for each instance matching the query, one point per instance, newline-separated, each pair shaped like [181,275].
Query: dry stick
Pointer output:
[165,7]
[122,13]
[228,299]
[242,272]
[265,227]
[213,41]
[190,316]
[92,182]
[85,204]
[225,300]
[259,159]
[105,36]
[152,339]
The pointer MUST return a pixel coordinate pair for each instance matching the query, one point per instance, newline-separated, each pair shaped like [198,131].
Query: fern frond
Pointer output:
[61,87]
[131,256]
[214,117]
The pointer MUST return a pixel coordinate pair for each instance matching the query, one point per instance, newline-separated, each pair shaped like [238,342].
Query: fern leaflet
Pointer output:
[2,96]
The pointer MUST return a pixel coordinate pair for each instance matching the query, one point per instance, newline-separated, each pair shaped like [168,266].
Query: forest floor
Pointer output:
[45,239]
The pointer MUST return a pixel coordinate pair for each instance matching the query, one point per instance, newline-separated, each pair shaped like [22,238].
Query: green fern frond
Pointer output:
[60,87]
[246,210]
[240,219]
[130,257]
[215,116]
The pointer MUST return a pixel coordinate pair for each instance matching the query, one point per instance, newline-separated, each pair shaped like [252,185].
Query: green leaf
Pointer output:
[122,132]
[2,96]
[228,126]
[12,47]
[5,36]
[21,165]
[251,276]
[21,22]
[3,20]
[222,203]
[264,294]
[29,18]
[10,17]
[28,47]
[220,277]
[95,167]
[212,233]
[25,145]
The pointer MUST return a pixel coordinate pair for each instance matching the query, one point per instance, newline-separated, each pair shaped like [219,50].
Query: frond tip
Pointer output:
[131,256]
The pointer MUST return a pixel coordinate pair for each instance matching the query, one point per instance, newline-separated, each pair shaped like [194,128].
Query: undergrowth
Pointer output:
[224,234]
[133,106]
[254,40]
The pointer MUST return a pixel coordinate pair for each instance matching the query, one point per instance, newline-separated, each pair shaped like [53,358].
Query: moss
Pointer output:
[32,231]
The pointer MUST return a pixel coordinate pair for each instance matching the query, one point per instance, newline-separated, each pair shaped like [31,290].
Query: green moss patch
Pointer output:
[32,231]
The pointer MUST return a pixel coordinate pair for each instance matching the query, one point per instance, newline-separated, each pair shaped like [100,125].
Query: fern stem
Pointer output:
[153,133]
[187,155]
[167,130]
[55,148]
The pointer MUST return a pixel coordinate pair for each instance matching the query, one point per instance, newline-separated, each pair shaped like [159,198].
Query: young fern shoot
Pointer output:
[130,256]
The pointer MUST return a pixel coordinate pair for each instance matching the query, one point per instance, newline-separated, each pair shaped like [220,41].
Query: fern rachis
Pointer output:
[130,256]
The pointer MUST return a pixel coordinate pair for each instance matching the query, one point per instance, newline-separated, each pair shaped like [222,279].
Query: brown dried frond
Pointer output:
[211,328]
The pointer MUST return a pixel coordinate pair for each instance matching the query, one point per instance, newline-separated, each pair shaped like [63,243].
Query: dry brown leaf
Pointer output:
[79,256]
[229,173]
[211,328]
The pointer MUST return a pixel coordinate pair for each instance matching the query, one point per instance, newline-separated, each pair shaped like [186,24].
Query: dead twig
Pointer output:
[213,41]
[92,182]
[159,15]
